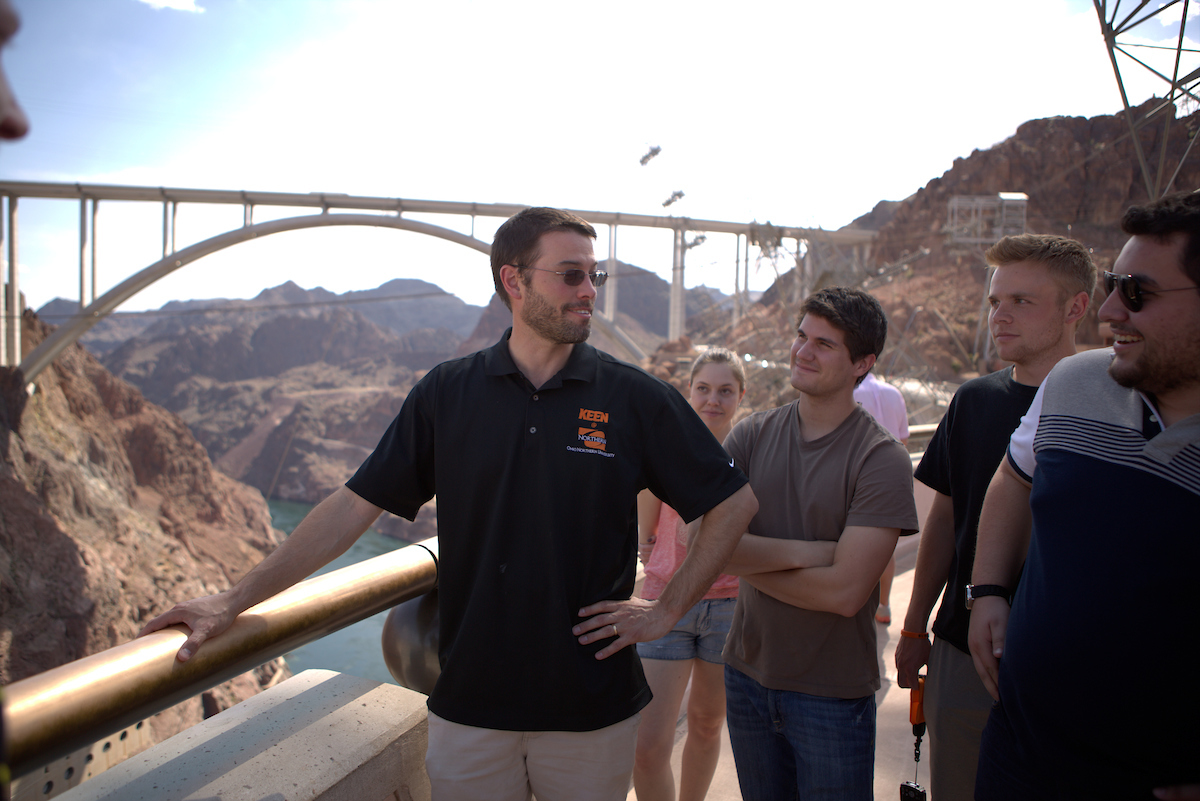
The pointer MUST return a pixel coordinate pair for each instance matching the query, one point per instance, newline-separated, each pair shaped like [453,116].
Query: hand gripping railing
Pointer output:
[49,715]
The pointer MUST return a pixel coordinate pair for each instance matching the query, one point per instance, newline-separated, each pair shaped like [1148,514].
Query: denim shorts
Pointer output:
[699,634]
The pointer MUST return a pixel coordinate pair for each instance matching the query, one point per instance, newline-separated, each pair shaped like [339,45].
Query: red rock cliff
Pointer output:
[110,511]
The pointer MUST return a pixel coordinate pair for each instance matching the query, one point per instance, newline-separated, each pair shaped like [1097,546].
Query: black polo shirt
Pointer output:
[536,519]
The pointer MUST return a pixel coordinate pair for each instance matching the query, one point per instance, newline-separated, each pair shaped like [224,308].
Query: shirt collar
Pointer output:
[1152,424]
[581,364]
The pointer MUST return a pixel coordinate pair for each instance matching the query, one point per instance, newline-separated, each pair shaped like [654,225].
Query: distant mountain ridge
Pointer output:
[401,305]
[290,390]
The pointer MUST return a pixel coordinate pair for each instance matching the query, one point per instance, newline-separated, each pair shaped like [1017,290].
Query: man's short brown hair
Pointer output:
[1068,261]
[516,240]
[856,314]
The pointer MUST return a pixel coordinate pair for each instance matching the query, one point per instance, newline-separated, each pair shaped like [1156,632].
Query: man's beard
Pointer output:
[554,327]
[1152,374]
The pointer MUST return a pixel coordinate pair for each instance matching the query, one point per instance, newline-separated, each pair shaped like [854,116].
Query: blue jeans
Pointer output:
[790,745]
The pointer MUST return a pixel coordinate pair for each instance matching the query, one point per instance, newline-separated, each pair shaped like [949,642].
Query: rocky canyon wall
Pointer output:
[110,511]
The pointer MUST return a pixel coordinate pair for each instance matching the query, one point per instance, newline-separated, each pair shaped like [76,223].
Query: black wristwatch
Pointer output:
[976,591]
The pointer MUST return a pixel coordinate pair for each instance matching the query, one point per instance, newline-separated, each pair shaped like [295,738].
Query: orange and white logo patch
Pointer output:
[592,438]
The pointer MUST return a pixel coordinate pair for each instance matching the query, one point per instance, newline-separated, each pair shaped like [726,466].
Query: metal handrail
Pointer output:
[49,715]
[919,436]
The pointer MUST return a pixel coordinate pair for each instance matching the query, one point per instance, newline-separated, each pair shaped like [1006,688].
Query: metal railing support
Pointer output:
[610,295]
[95,211]
[49,715]
[13,319]
[675,317]
[83,245]
[4,310]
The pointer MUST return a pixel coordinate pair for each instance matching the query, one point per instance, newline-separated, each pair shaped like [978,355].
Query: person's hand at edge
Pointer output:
[989,623]
[206,617]
[912,653]
[632,621]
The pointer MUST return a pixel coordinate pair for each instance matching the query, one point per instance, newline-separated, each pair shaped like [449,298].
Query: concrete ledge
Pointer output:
[319,735]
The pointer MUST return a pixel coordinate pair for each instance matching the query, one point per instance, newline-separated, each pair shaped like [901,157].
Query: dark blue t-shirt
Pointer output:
[1098,694]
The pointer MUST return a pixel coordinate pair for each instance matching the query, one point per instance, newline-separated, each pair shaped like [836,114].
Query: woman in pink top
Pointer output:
[692,650]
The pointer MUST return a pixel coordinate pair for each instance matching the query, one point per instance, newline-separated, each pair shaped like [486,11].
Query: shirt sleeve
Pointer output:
[399,474]
[883,493]
[685,465]
[737,444]
[1021,456]
[934,469]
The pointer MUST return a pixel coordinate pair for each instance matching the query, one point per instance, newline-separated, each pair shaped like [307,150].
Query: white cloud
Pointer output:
[174,5]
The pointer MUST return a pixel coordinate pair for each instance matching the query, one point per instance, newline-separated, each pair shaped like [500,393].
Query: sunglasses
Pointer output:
[572,277]
[1132,296]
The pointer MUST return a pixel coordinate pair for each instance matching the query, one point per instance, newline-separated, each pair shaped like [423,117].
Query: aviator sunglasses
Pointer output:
[1131,294]
[572,277]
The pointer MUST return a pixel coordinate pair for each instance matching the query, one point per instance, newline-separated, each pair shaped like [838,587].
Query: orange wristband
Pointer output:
[915,635]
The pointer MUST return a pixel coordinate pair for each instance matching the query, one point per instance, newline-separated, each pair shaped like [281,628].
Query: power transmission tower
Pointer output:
[1118,38]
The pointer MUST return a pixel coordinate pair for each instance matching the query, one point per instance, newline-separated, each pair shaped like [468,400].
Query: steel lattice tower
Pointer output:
[1121,35]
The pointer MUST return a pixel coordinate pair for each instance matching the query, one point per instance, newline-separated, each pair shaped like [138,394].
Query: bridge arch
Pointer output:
[68,333]
[388,213]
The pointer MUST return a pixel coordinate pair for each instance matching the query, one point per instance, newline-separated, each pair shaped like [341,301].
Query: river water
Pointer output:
[355,649]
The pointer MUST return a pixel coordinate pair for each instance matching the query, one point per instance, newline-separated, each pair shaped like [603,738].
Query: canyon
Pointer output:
[135,474]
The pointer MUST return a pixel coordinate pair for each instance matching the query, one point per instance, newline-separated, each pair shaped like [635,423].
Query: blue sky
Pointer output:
[800,113]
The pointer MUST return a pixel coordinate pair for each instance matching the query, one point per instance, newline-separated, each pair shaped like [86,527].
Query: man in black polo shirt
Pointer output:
[536,449]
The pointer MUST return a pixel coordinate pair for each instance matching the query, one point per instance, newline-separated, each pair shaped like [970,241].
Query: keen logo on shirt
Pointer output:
[592,439]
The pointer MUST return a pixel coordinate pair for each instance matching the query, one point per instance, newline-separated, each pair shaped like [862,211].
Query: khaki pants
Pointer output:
[956,708]
[466,763]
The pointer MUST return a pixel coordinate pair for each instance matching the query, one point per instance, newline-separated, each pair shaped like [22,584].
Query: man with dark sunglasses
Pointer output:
[1097,508]
[1040,289]
[536,449]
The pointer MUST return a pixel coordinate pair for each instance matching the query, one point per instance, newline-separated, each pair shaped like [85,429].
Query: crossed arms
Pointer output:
[823,576]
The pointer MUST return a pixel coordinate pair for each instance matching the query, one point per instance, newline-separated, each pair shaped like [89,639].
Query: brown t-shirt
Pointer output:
[857,475]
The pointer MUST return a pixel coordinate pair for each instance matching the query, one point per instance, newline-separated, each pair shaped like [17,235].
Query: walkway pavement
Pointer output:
[894,737]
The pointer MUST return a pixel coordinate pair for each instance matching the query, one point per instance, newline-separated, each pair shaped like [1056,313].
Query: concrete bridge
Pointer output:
[335,210]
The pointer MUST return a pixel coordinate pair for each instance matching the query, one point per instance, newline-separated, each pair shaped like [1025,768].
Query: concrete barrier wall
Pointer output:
[319,735]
